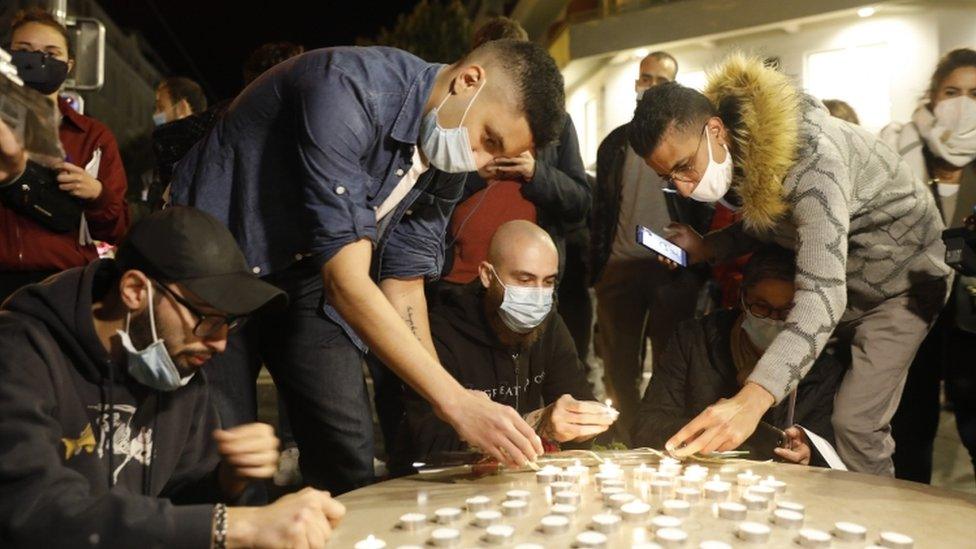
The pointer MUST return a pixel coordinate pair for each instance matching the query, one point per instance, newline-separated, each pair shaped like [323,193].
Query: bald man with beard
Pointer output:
[500,335]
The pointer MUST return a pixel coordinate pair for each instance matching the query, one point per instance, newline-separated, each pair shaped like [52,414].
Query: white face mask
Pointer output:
[950,131]
[761,331]
[640,93]
[152,366]
[717,179]
[524,307]
[448,149]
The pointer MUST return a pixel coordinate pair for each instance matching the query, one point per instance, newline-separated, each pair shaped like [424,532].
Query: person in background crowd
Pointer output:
[637,298]
[345,207]
[268,55]
[840,109]
[940,146]
[91,172]
[755,140]
[178,97]
[500,335]
[109,437]
[710,359]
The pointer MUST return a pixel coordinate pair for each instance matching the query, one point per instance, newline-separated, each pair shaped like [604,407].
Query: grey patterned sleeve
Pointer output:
[819,191]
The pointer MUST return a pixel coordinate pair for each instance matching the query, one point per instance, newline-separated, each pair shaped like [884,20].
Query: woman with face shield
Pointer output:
[940,146]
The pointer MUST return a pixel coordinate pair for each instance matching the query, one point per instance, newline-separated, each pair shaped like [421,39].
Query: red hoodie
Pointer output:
[28,246]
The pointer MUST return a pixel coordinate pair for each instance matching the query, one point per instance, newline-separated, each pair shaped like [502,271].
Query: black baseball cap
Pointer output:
[190,247]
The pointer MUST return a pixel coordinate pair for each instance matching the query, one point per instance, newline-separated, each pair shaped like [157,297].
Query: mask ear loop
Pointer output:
[152,314]
[466,109]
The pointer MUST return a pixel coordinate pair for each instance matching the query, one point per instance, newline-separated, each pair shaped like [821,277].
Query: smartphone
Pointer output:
[660,245]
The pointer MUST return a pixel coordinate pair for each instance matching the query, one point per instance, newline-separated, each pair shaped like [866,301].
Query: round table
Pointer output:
[931,516]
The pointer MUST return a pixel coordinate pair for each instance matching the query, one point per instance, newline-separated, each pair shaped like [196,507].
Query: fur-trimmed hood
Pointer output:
[761,110]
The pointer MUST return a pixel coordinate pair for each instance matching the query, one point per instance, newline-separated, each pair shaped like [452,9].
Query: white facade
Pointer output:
[879,64]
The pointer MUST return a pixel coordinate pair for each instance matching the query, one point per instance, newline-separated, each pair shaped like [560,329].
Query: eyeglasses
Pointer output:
[688,173]
[762,310]
[207,324]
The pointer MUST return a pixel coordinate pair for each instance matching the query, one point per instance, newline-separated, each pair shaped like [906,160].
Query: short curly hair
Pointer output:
[537,82]
[498,28]
[663,107]
[769,262]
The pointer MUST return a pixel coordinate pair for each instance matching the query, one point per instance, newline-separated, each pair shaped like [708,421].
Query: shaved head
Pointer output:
[519,241]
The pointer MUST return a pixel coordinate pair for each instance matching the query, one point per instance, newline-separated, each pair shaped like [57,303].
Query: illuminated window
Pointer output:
[695,80]
[859,75]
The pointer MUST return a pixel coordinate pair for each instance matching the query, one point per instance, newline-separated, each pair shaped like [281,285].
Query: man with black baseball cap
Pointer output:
[109,437]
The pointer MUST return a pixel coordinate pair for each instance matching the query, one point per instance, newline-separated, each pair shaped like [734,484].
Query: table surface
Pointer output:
[933,517]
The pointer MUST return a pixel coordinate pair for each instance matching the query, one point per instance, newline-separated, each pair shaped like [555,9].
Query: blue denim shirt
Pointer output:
[302,158]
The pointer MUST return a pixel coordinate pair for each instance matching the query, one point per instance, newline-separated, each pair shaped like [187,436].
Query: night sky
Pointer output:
[218,34]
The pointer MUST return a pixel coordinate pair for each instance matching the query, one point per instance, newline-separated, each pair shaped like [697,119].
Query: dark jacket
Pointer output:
[472,353]
[559,190]
[610,159]
[697,370]
[63,480]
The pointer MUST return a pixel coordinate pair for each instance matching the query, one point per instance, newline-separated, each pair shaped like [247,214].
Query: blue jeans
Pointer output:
[319,374]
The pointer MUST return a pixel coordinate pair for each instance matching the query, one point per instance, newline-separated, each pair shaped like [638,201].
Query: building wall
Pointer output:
[880,64]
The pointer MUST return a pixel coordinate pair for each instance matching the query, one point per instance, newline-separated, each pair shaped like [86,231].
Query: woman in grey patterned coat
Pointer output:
[870,271]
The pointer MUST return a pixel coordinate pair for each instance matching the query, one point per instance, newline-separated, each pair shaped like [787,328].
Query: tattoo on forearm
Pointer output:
[408,318]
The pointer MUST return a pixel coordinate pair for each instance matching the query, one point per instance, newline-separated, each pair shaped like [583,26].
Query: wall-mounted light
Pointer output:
[641,53]
[866,11]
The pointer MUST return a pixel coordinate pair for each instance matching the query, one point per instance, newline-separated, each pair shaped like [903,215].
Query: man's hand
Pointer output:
[248,452]
[517,167]
[496,429]
[797,450]
[569,419]
[13,159]
[303,519]
[688,240]
[76,182]
[723,425]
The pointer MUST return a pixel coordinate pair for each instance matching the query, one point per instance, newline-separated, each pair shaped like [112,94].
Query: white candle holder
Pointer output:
[753,532]
[554,524]
[607,523]
[412,521]
[486,518]
[809,537]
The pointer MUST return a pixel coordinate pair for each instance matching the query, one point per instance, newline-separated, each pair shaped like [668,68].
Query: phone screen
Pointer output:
[656,243]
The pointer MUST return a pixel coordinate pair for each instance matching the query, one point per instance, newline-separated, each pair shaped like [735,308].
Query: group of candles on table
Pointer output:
[675,489]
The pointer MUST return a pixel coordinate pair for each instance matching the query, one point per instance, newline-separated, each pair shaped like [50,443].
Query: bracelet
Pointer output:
[220,527]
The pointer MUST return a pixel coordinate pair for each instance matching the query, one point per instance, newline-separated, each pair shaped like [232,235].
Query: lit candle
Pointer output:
[547,475]
[848,531]
[731,510]
[608,466]
[412,521]
[660,488]
[747,478]
[762,491]
[487,518]
[445,537]
[642,473]
[894,540]
[514,507]
[635,511]
[371,542]
[476,503]
[713,544]
[791,506]
[717,489]
[447,515]
[520,495]
[671,537]
[692,495]
[787,519]
[754,502]
[607,493]
[610,410]
[676,507]
[617,500]
[777,485]
[582,472]
[567,496]
[813,538]
[753,532]
[591,539]
[499,533]
[691,481]
[608,476]
[570,475]
[665,521]
[554,524]
[564,509]
[696,470]
[607,523]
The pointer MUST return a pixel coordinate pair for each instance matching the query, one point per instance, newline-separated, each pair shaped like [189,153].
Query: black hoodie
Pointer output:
[471,352]
[63,482]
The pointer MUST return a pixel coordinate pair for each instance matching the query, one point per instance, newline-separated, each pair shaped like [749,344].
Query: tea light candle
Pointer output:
[562,486]
[567,496]
[582,472]
[671,537]
[762,491]
[610,410]
[607,493]
[445,537]
[686,493]
[665,521]
[676,507]
[660,488]
[717,489]
[606,523]
[752,532]
[849,531]
[447,515]
[791,506]
[487,518]
[603,477]
[590,538]
[746,479]
[371,542]
[731,510]
[642,472]
[786,518]
[777,485]
[613,483]
[894,540]
[514,507]
[608,466]
[529,546]
[477,503]
[409,547]
[569,475]
[554,524]
[635,511]
[563,509]
[520,495]
[696,470]
[691,481]
[754,502]
[813,538]
[547,475]
[412,521]
[499,533]
[617,500]
[712,544]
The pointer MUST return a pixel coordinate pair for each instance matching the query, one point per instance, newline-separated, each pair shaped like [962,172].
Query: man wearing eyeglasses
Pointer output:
[109,436]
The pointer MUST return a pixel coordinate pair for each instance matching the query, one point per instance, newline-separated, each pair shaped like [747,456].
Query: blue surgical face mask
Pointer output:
[152,366]
[761,331]
[524,307]
[159,118]
[448,149]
